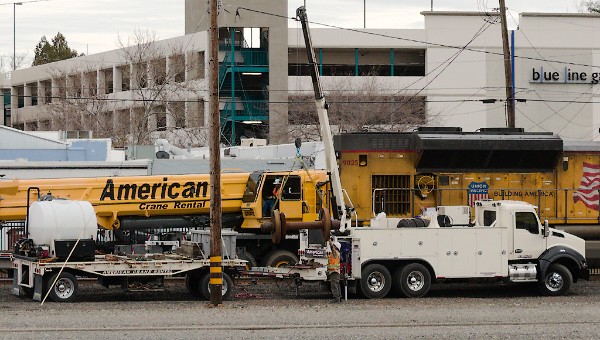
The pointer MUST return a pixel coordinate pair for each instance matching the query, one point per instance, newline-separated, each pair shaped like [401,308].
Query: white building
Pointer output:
[455,63]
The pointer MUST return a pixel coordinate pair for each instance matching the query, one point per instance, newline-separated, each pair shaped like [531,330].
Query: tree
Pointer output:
[589,6]
[59,49]
[161,94]
[150,102]
[6,63]
[356,106]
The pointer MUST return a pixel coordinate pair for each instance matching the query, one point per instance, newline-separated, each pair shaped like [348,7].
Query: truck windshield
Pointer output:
[251,191]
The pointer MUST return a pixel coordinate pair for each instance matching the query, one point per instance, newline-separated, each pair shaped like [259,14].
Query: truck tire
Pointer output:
[226,288]
[65,289]
[412,280]
[191,283]
[248,257]
[375,282]
[280,258]
[556,281]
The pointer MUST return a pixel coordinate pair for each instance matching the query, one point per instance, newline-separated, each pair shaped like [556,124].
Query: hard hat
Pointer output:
[337,245]
[277,181]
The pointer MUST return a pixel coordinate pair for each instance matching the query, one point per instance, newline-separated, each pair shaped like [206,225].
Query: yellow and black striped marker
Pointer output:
[216,271]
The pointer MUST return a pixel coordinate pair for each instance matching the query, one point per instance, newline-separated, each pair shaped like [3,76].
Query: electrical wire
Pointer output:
[415,40]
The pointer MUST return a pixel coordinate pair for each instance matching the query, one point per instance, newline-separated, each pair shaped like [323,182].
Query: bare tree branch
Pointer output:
[151,102]
[356,106]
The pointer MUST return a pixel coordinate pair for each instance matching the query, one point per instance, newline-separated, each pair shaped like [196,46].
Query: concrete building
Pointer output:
[5,95]
[148,86]
[455,65]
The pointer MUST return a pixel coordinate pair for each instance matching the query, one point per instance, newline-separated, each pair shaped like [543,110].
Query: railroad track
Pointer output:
[271,327]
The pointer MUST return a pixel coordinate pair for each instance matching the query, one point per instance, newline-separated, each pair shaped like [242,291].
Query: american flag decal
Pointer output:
[587,193]
[478,191]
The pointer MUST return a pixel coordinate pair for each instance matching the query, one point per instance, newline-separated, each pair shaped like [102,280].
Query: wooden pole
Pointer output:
[216,268]
[510,101]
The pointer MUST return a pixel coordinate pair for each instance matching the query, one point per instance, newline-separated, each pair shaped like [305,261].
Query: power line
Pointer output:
[416,40]
[22,2]
[424,99]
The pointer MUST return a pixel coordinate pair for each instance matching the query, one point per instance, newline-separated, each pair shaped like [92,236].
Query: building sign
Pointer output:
[552,75]
[478,191]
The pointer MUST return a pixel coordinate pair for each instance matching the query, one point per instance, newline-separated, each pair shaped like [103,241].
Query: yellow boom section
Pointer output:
[114,197]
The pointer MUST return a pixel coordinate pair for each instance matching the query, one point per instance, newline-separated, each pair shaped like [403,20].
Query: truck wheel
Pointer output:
[191,283]
[556,281]
[280,258]
[412,280]
[376,281]
[226,288]
[65,289]
[248,257]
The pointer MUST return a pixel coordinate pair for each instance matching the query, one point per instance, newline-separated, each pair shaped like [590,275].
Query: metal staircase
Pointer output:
[242,97]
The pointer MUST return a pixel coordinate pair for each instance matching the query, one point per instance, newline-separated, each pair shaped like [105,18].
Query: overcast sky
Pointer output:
[93,26]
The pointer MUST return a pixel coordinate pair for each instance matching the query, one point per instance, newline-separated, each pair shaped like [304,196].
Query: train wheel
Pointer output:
[65,289]
[226,287]
[376,281]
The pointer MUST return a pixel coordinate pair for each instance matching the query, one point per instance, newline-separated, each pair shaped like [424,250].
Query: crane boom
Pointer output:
[331,163]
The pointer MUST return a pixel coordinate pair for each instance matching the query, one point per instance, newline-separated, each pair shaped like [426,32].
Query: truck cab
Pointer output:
[530,236]
[301,196]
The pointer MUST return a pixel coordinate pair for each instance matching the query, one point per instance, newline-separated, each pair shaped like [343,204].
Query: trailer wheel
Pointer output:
[226,288]
[412,280]
[280,258]
[556,281]
[376,281]
[65,289]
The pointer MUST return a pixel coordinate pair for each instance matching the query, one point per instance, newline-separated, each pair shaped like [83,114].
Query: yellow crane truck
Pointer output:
[139,203]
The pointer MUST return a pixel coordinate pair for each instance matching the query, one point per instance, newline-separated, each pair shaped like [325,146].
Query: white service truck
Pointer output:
[60,247]
[505,240]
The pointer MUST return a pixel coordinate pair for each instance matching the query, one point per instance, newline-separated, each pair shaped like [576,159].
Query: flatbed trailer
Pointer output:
[36,277]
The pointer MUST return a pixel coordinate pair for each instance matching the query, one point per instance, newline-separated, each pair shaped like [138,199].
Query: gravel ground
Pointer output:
[276,310]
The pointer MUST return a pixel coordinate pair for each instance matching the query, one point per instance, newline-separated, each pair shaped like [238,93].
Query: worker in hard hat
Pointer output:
[333,270]
[269,202]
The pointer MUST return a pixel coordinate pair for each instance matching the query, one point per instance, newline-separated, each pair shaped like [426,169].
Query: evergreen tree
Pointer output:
[59,49]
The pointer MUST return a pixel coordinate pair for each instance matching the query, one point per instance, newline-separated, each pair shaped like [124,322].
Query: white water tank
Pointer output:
[61,220]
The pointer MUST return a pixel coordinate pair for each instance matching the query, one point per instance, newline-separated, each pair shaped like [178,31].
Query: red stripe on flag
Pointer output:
[587,193]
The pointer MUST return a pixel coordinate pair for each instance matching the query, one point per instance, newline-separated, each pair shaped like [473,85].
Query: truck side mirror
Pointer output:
[546,229]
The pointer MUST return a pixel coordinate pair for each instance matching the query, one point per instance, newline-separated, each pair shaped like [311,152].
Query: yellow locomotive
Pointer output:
[403,174]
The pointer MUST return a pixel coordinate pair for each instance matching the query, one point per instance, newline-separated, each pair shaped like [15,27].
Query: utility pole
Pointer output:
[510,101]
[15,4]
[216,268]
[364,13]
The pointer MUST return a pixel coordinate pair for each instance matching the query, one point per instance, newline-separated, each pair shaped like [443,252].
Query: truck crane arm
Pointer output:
[325,129]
